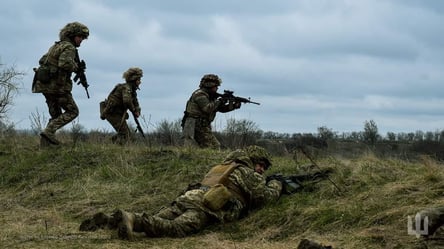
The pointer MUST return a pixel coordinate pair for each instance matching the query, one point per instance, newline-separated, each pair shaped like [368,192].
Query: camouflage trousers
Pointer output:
[118,121]
[56,104]
[195,132]
[174,222]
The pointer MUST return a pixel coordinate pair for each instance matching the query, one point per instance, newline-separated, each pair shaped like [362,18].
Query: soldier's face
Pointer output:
[78,40]
[259,168]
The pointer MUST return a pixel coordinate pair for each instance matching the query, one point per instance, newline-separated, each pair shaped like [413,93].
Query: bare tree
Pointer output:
[9,86]
[168,133]
[239,133]
[38,121]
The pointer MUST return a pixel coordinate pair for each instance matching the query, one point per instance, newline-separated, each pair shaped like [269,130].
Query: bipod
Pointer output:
[319,168]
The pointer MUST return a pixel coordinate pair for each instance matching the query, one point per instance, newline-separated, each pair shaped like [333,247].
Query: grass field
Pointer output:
[46,193]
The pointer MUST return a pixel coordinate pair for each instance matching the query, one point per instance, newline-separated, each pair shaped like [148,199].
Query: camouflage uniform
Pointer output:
[60,63]
[200,112]
[122,98]
[190,213]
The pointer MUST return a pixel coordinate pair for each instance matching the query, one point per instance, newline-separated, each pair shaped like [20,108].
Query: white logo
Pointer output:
[418,231]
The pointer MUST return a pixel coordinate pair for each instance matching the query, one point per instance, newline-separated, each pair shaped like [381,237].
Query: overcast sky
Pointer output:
[310,63]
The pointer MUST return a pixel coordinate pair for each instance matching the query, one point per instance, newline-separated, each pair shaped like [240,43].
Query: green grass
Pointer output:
[46,193]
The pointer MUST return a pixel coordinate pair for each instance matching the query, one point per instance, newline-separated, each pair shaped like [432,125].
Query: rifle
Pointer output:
[228,95]
[80,73]
[294,183]
[139,127]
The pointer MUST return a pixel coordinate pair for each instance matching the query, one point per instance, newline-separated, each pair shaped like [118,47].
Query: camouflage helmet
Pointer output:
[74,29]
[257,154]
[210,80]
[132,74]
[239,156]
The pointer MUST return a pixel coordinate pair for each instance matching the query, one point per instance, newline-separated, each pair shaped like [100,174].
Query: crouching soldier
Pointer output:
[123,97]
[227,193]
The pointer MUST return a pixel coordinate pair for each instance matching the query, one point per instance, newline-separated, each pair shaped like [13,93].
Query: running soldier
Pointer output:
[53,79]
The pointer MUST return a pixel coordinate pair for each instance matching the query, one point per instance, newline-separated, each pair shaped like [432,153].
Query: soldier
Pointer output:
[122,98]
[53,79]
[201,110]
[227,193]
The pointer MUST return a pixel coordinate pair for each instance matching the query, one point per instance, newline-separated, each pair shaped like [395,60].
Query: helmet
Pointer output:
[238,155]
[132,74]
[74,29]
[210,80]
[257,153]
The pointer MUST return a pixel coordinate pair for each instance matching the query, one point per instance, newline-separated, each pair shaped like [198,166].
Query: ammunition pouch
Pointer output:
[216,197]
[222,189]
[44,74]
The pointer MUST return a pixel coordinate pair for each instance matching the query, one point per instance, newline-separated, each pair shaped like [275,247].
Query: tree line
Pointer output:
[236,133]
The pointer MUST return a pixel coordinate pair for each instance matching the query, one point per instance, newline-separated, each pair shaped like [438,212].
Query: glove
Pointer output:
[277,177]
[237,105]
[288,185]
[221,101]
[224,100]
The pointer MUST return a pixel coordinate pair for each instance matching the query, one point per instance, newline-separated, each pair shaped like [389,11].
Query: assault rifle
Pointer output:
[139,127]
[80,74]
[294,183]
[228,95]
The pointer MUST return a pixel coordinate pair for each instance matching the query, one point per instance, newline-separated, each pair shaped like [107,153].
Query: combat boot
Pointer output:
[44,143]
[50,136]
[129,223]
[98,221]
[307,244]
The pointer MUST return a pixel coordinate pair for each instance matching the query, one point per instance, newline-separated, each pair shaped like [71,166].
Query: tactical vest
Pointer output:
[193,110]
[53,57]
[219,174]
[50,78]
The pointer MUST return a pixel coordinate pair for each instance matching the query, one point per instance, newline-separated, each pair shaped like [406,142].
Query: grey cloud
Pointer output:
[309,63]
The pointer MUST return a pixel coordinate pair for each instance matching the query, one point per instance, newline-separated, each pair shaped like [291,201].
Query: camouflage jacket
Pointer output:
[60,59]
[202,105]
[122,98]
[257,191]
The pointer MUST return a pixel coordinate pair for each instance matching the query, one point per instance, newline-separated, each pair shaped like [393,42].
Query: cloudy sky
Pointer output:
[310,63]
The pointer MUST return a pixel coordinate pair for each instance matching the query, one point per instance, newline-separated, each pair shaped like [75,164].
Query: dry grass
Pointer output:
[45,194]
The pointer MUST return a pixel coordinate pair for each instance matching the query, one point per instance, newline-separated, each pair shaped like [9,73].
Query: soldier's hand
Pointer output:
[220,102]
[237,105]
